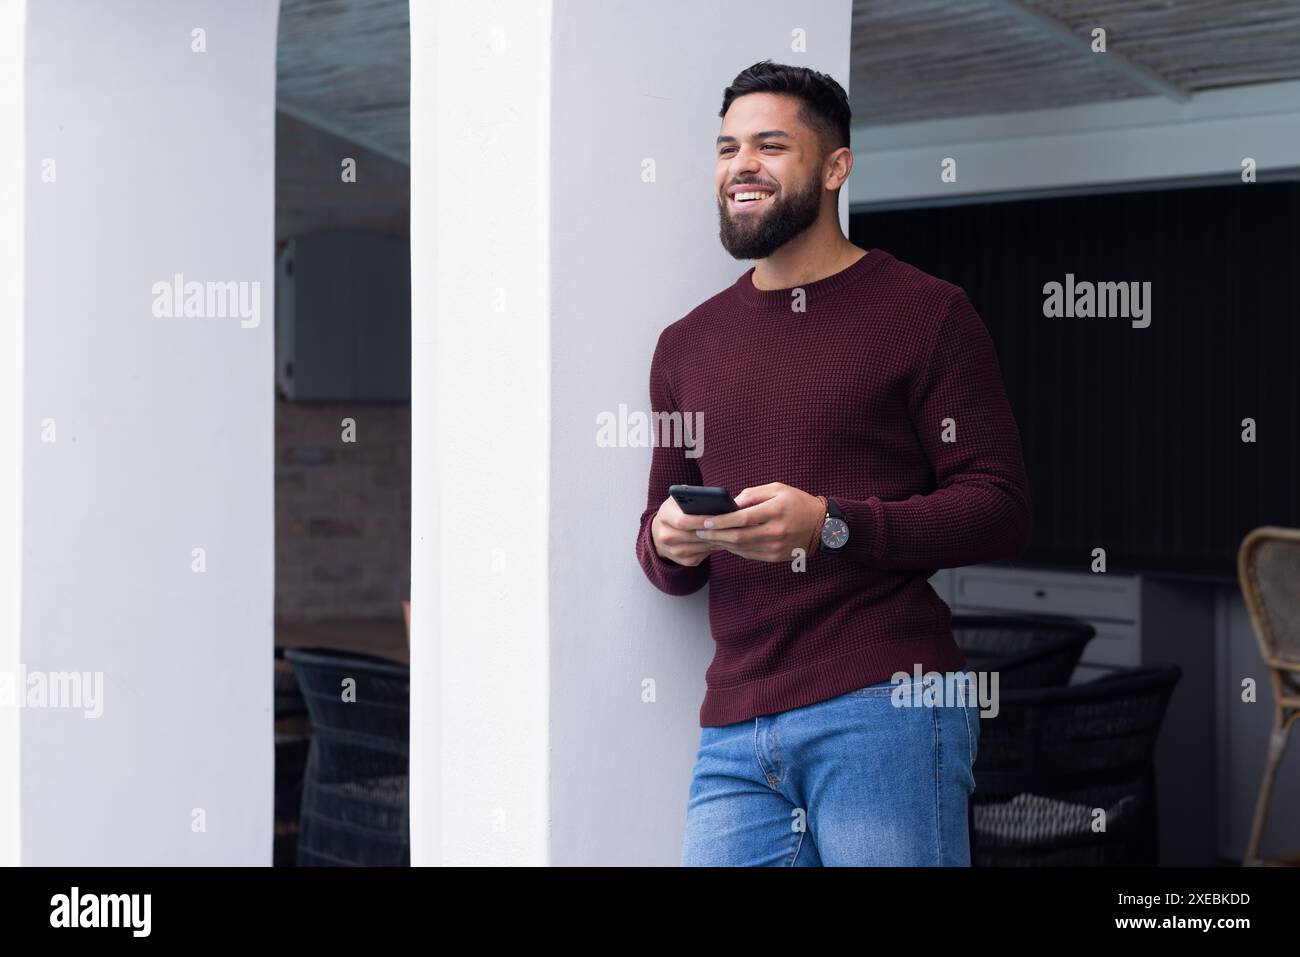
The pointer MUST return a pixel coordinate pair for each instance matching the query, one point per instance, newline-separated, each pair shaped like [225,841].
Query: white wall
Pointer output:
[1088,146]
[527,193]
[165,164]
[629,258]
[12,223]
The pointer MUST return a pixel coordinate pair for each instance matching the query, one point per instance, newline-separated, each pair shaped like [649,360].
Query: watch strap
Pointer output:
[815,543]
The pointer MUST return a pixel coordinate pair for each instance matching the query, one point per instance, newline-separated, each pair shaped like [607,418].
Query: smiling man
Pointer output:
[858,405]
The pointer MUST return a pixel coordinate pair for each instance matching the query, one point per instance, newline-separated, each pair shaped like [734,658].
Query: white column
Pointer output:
[480,406]
[544,267]
[13,14]
[146,437]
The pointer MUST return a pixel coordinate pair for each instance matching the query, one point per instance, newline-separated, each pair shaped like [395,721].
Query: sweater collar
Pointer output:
[751,295]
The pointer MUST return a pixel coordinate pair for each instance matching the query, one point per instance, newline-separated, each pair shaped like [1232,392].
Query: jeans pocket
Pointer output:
[973,731]
[883,689]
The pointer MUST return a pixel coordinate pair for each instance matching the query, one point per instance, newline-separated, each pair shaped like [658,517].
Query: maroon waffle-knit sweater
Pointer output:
[885,395]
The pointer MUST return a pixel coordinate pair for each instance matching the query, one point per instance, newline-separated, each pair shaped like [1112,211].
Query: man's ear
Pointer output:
[839,165]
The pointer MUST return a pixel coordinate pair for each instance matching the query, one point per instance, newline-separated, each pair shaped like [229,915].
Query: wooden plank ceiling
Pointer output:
[928,59]
[344,65]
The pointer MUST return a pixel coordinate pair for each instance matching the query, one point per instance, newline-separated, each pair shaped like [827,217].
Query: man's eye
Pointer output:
[728,149]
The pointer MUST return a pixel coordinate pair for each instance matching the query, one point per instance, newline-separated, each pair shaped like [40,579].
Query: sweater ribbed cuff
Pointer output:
[664,573]
[866,521]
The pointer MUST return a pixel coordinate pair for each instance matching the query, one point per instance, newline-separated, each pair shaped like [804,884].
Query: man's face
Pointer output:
[764,150]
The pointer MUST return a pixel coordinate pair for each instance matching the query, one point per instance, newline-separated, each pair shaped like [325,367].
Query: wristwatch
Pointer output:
[835,530]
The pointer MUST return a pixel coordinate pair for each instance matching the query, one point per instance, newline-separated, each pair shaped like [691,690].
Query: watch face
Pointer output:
[834,533]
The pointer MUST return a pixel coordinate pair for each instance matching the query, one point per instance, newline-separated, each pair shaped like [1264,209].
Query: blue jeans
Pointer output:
[851,781]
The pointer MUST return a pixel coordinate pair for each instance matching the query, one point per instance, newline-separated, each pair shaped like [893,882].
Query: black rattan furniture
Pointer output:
[1026,652]
[355,798]
[292,742]
[1052,757]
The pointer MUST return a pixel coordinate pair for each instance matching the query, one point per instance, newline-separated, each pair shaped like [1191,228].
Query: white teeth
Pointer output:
[741,197]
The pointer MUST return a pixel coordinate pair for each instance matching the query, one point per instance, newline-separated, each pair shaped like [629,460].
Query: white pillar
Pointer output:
[544,267]
[13,15]
[144,437]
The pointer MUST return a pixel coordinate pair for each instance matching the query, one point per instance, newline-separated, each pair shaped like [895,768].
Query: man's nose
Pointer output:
[742,166]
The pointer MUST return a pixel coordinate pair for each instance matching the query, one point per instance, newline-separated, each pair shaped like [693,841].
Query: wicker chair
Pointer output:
[1268,569]
[292,743]
[355,797]
[1052,756]
[1026,652]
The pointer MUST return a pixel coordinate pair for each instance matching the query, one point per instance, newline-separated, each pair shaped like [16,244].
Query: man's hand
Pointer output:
[772,521]
[673,532]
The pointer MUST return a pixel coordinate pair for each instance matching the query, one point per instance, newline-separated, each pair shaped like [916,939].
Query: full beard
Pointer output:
[757,237]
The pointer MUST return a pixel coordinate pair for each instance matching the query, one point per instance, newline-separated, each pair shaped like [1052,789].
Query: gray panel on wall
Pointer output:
[1178,628]
[343,317]
[1245,728]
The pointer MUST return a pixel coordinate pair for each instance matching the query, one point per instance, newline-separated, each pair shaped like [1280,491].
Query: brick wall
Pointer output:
[342,510]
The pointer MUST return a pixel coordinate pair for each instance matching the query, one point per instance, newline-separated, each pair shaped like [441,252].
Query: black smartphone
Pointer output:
[703,499]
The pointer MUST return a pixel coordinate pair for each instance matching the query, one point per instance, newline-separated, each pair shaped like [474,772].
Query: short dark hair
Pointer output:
[825,105]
